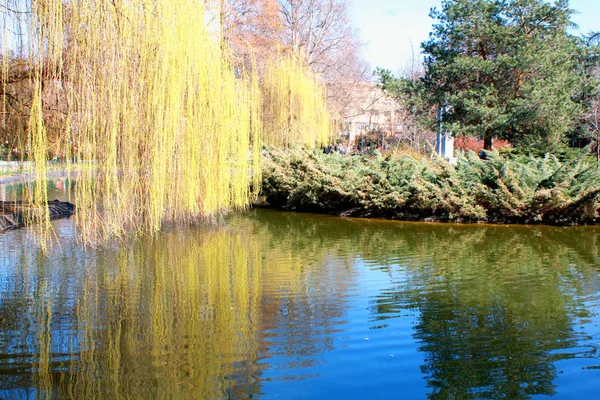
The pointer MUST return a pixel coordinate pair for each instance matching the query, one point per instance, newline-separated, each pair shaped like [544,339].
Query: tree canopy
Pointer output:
[508,68]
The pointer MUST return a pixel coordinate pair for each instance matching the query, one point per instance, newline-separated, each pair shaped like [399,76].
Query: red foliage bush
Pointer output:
[464,143]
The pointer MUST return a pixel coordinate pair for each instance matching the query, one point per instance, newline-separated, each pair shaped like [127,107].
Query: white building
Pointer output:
[370,111]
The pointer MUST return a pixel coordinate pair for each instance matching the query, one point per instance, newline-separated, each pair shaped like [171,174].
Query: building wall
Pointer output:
[371,111]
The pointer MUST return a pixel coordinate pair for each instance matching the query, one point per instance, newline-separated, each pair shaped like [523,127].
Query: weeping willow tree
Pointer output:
[145,103]
[295,106]
[160,124]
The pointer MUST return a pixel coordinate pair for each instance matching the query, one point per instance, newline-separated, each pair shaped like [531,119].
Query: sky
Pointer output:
[389,27]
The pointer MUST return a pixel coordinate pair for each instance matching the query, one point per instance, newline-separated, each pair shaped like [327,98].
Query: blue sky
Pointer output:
[388,27]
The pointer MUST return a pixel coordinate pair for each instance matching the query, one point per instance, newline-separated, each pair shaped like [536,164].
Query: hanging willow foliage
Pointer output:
[295,106]
[143,100]
[161,126]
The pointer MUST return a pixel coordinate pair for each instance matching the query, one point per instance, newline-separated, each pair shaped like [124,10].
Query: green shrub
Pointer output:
[498,189]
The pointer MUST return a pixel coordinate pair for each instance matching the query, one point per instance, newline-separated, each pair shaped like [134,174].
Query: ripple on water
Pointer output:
[302,306]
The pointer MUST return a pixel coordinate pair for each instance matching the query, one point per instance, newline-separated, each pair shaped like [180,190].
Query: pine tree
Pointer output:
[509,69]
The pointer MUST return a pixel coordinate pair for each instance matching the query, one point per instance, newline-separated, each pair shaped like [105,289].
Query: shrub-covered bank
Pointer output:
[536,190]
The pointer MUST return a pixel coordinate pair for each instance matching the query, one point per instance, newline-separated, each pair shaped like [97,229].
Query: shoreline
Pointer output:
[358,213]
[30,177]
[404,189]
[494,191]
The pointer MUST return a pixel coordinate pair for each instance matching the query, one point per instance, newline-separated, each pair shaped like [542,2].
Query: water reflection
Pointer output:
[273,301]
[495,305]
[59,189]
[182,315]
[498,306]
[141,319]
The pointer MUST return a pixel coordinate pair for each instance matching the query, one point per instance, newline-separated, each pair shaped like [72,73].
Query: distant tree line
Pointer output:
[508,69]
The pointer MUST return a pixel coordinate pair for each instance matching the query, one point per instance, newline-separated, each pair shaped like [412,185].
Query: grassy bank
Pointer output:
[498,189]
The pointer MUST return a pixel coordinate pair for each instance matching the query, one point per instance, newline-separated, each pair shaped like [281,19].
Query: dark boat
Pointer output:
[13,213]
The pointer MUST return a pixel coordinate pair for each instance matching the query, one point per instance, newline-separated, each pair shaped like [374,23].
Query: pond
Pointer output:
[57,189]
[299,306]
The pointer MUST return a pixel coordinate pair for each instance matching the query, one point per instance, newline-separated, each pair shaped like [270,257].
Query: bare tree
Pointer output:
[323,31]
[14,22]
[412,132]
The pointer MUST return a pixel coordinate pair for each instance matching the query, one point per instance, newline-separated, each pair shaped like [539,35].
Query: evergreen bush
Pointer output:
[497,189]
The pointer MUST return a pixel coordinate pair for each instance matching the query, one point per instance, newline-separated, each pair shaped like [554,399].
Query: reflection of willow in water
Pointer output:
[193,314]
[188,314]
[175,317]
[305,291]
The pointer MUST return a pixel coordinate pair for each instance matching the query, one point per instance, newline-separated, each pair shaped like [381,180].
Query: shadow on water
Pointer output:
[272,298]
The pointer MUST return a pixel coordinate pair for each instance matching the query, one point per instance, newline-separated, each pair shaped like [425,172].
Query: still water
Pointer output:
[299,306]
